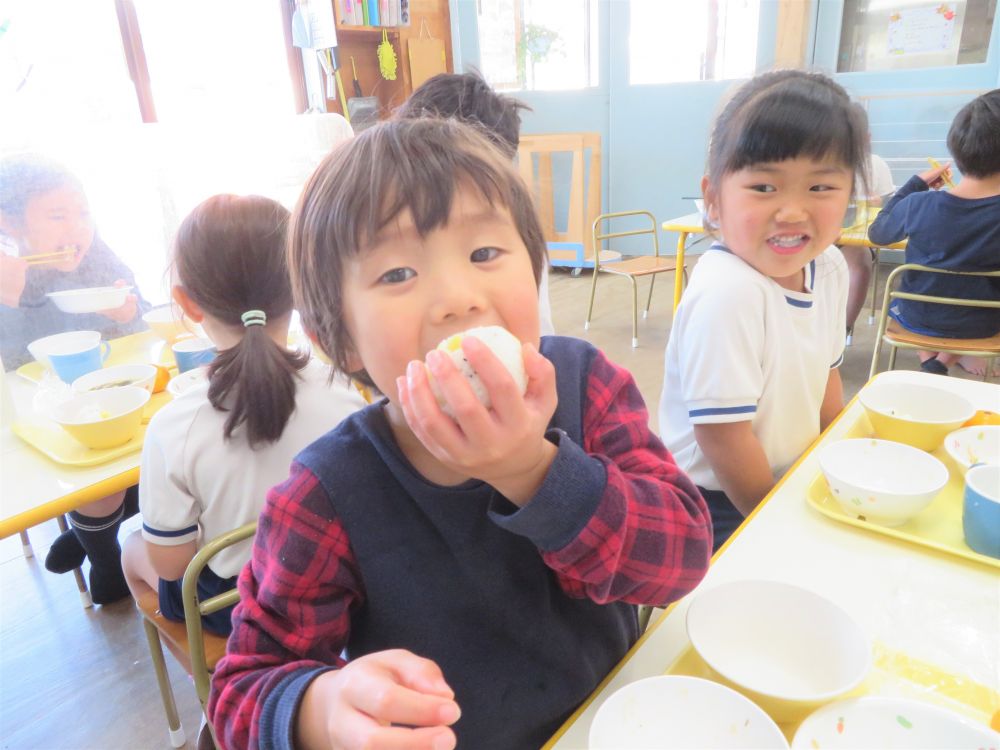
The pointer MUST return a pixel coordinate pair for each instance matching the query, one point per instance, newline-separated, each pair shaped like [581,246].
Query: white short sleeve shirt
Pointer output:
[194,485]
[743,348]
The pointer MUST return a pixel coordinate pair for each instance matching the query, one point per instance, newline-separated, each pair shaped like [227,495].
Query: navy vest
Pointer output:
[445,582]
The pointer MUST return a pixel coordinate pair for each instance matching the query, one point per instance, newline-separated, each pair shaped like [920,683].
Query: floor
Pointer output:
[77,679]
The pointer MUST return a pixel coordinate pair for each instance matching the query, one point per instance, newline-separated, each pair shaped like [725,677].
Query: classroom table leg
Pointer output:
[26,544]
[875,259]
[81,584]
[678,277]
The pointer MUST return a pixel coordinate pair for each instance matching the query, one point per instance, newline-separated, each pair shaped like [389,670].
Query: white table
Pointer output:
[933,607]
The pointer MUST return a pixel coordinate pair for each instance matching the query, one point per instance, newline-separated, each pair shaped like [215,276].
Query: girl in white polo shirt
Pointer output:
[751,374]
[211,455]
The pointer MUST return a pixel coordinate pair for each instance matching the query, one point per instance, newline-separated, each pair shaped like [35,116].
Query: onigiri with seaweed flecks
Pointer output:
[504,346]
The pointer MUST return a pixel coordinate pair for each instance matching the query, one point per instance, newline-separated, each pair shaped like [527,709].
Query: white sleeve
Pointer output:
[881,178]
[840,283]
[169,512]
[721,352]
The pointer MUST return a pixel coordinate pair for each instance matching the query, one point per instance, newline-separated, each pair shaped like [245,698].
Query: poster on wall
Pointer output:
[915,31]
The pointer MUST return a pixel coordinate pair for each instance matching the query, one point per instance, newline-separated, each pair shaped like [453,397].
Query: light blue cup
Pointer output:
[192,353]
[72,365]
[981,509]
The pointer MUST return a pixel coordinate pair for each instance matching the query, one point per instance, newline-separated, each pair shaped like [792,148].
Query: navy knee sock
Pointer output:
[99,537]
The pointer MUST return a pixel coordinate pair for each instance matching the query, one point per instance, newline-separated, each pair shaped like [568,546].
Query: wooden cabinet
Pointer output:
[360,42]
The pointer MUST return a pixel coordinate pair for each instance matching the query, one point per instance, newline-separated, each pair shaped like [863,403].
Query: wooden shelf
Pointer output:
[368,30]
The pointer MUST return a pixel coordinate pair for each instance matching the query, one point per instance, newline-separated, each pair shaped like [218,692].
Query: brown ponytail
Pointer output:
[230,258]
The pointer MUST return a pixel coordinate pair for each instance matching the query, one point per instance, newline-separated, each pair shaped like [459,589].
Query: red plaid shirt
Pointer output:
[648,542]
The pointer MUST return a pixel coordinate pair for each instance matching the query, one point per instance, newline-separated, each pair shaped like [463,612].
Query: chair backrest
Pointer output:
[599,237]
[194,609]
[891,294]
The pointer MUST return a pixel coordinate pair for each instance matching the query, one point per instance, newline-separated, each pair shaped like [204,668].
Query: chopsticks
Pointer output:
[47,258]
[944,175]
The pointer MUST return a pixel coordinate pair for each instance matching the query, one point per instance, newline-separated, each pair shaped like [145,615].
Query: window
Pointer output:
[673,41]
[538,45]
[906,34]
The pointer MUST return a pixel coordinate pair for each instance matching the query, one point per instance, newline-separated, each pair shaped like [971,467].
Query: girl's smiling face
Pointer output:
[778,216]
[406,293]
[53,221]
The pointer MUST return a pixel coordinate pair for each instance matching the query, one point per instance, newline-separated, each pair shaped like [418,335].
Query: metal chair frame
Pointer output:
[643,265]
[196,663]
[962,347]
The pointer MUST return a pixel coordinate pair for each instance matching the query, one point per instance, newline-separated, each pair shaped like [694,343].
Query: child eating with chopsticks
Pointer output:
[52,245]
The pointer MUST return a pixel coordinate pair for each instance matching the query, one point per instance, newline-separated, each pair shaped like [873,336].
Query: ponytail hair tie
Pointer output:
[253,318]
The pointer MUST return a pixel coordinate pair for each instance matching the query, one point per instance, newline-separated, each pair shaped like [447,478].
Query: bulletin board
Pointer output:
[900,35]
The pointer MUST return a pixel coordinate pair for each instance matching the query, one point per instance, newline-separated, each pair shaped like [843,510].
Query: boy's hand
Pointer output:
[127,311]
[936,176]
[504,445]
[13,275]
[357,706]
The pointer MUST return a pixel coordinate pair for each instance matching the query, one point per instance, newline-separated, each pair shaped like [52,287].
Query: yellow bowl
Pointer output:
[104,418]
[918,415]
[785,648]
[168,322]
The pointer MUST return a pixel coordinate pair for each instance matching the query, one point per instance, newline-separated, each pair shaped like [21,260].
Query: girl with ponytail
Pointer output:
[210,456]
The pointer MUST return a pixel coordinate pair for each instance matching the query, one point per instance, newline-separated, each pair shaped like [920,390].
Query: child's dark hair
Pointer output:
[26,175]
[787,114]
[469,98]
[974,136]
[230,259]
[395,166]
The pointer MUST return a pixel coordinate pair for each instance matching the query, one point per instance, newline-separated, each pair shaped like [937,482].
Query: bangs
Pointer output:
[419,175]
[778,130]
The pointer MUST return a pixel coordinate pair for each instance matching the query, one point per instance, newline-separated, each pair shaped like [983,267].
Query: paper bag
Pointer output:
[426,58]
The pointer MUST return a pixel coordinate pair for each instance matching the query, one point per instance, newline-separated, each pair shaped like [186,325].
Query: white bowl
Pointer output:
[974,445]
[672,712]
[880,481]
[69,342]
[890,723]
[185,381]
[90,300]
[918,415]
[142,376]
[787,649]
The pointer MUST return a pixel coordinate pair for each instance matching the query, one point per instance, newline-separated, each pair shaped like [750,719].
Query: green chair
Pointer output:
[196,651]
[897,337]
[631,268]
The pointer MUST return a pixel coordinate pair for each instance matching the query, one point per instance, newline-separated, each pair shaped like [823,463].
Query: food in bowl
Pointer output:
[880,481]
[119,376]
[671,712]
[918,415]
[501,342]
[787,649]
[91,299]
[884,722]
[973,445]
[105,418]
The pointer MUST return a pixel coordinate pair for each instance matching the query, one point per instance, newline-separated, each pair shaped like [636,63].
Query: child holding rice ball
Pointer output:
[423,580]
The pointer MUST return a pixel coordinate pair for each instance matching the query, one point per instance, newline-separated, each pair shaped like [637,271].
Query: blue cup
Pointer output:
[981,509]
[71,366]
[192,353]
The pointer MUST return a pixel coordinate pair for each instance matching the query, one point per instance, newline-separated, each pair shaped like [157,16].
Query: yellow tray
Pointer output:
[893,673]
[938,526]
[52,440]
[137,348]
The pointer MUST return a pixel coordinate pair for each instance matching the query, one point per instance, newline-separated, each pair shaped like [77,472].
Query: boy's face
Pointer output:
[407,293]
[778,216]
[56,220]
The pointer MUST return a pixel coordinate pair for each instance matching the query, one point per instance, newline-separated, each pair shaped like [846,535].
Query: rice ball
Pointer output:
[504,346]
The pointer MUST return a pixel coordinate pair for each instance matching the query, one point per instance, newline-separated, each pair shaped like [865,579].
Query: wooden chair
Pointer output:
[897,337]
[196,651]
[631,268]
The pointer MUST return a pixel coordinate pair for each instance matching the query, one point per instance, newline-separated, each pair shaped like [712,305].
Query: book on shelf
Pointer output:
[374,12]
